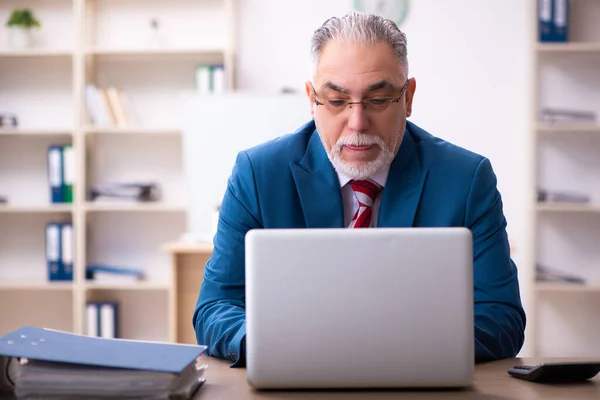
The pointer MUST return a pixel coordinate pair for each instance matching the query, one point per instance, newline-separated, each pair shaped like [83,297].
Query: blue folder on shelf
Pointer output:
[54,251]
[560,16]
[56,174]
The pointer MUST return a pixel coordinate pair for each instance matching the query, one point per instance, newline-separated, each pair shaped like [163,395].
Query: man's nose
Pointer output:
[358,120]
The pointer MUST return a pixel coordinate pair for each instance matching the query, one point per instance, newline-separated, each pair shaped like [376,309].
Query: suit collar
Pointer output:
[318,187]
[404,185]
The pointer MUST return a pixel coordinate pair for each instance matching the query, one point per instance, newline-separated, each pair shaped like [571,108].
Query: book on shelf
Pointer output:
[110,107]
[562,196]
[46,363]
[546,274]
[125,191]
[563,115]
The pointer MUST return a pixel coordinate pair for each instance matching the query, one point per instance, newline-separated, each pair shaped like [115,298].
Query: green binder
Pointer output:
[68,172]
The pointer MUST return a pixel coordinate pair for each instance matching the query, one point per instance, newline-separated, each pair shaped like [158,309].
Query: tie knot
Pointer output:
[366,191]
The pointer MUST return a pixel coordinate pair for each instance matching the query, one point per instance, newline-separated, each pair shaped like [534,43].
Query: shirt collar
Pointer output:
[380,177]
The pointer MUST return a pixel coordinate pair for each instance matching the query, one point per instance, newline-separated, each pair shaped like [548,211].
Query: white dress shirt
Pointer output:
[350,202]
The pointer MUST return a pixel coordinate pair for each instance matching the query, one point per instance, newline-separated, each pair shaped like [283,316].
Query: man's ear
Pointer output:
[410,94]
[309,94]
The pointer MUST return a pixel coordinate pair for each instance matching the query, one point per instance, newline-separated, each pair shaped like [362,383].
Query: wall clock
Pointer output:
[396,10]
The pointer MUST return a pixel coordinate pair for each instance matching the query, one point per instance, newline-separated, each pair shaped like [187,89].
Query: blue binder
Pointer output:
[56,174]
[54,251]
[62,347]
[560,20]
[67,243]
[545,20]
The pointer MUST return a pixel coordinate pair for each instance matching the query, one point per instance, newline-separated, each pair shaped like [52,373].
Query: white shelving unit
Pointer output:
[105,43]
[567,158]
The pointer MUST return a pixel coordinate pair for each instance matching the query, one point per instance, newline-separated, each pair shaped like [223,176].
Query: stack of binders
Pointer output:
[102,319]
[553,20]
[125,191]
[210,79]
[60,251]
[61,365]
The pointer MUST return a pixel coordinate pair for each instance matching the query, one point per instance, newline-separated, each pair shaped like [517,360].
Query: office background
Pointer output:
[482,80]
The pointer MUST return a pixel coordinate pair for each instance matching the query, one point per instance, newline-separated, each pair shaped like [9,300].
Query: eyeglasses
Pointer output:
[376,104]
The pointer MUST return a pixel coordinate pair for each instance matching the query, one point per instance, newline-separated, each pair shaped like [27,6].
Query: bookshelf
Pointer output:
[566,157]
[106,43]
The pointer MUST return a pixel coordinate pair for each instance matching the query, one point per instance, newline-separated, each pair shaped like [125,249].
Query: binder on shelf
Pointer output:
[561,20]
[92,319]
[203,79]
[68,172]
[109,320]
[218,79]
[56,174]
[98,367]
[53,251]
[102,319]
[68,252]
[545,20]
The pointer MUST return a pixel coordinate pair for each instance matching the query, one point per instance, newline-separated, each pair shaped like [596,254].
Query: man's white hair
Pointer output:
[358,27]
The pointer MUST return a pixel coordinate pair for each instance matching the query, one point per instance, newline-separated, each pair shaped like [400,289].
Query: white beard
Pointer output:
[383,160]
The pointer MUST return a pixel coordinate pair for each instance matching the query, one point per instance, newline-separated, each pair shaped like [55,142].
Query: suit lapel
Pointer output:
[318,187]
[403,187]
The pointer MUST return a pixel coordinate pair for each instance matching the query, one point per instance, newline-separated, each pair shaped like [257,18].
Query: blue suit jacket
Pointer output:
[290,183]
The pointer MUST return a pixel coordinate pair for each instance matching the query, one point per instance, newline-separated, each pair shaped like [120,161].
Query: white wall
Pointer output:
[472,62]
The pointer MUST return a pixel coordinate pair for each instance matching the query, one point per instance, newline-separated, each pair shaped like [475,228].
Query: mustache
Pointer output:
[360,139]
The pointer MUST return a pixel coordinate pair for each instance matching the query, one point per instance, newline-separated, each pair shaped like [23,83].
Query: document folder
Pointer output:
[63,347]
[56,174]
[54,364]
[53,251]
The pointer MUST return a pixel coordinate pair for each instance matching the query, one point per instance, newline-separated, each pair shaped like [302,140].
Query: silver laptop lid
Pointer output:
[385,307]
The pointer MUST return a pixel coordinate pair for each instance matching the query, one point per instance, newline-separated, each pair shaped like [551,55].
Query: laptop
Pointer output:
[359,308]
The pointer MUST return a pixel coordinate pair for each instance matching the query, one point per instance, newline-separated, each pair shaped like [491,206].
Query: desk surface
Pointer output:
[491,382]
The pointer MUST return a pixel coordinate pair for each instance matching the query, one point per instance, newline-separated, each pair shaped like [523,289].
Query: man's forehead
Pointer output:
[355,66]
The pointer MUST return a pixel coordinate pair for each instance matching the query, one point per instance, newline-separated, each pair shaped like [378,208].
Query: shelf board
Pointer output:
[568,207]
[35,132]
[188,247]
[568,128]
[150,52]
[556,287]
[36,209]
[157,286]
[132,131]
[133,207]
[569,47]
[42,285]
[35,53]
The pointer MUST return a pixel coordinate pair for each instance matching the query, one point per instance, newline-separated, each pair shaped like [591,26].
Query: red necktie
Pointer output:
[366,192]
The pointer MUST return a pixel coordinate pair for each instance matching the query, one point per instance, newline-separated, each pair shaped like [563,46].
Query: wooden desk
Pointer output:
[187,269]
[491,383]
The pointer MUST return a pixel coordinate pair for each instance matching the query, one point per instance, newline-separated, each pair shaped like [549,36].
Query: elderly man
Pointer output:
[358,164]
